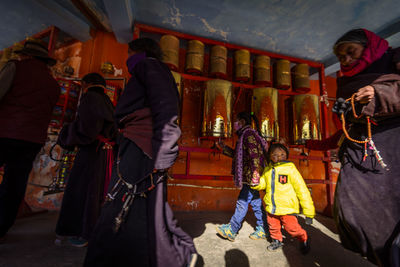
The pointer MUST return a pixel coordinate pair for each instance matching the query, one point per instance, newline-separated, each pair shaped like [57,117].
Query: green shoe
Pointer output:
[225,231]
[258,234]
[77,242]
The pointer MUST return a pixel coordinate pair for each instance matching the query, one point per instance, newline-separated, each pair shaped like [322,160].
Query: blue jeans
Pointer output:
[247,196]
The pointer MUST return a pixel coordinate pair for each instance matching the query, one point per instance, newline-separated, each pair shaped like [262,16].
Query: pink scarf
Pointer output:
[376,47]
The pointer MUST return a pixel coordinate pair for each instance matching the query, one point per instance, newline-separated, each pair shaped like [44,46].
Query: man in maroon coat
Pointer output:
[28,94]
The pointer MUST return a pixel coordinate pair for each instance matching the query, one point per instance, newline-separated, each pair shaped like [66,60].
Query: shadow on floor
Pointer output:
[31,243]
[204,217]
[325,251]
[236,257]
[327,222]
[195,226]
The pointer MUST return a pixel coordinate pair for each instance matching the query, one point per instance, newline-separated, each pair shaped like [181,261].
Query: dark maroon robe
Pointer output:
[84,193]
[367,201]
[148,236]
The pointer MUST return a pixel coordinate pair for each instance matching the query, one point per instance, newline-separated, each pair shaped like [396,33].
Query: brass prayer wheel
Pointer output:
[218,57]
[282,74]
[16,47]
[264,104]
[306,118]
[301,78]
[262,70]
[178,81]
[217,109]
[169,45]
[194,57]
[242,65]
[107,68]
[5,57]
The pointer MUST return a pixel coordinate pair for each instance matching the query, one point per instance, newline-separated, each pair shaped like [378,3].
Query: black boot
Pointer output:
[275,245]
[305,246]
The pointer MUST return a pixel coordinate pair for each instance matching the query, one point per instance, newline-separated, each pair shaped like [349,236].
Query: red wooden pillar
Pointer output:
[325,129]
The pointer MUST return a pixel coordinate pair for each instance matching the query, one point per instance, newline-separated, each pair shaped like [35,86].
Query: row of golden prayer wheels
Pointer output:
[285,77]
[218,104]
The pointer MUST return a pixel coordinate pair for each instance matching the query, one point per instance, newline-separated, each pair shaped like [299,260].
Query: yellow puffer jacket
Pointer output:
[284,188]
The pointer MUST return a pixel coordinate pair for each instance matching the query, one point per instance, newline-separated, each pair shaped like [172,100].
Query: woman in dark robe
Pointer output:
[367,202]
[91,131]
[136,226]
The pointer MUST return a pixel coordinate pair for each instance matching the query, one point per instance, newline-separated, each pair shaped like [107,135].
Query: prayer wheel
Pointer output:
[169,45]
[178,81]
[16,47]
[262,70]
[306,122]
[301,78]
[242,65]
[194,57]
[5,57]
[264,104]
[282,74]
[218,58]
[107,68]
[217,109]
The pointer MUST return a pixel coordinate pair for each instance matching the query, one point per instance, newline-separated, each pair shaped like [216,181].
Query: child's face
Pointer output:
[278,155]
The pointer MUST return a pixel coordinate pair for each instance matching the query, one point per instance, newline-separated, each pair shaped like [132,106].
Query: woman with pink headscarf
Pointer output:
[367,201]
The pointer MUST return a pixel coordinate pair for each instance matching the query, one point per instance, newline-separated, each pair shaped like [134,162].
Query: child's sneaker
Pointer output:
[275,245]
[305,246]
[78,242]
[258,234]
[225,231]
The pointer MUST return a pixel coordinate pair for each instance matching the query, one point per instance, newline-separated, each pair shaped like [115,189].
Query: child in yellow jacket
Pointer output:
[285,191]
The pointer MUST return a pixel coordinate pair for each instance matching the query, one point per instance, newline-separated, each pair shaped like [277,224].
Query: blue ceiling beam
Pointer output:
[121,18]
[52,13]
[93,12]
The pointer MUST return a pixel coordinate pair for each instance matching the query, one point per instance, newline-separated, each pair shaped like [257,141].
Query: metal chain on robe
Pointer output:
[130,194]
[367,140]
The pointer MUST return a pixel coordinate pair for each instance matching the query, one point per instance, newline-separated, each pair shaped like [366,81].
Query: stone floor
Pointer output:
[30,243]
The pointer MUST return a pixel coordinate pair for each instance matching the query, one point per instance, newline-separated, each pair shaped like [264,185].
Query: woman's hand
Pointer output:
[365,94]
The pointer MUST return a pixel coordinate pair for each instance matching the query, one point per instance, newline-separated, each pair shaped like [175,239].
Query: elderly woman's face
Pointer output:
[347,53]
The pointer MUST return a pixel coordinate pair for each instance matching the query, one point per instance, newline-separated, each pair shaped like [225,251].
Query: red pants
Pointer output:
[290,224]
